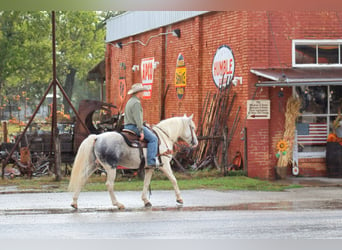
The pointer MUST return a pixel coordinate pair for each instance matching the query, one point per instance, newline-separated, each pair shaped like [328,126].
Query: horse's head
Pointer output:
[189,134]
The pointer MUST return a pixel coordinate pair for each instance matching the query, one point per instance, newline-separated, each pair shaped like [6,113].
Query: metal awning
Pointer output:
[287,77]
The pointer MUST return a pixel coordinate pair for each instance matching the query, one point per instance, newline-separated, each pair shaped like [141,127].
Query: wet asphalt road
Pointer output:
[305,213]
[269,224]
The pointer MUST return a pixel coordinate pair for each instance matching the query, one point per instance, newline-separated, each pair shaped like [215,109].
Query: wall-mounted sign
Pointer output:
[146,70]
[258,109]
[223,66]
[180,76]
[122,89]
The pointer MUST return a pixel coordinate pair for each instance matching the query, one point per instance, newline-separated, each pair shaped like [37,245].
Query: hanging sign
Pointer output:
[122,82]
[122,89]
[223,67]
[180,76]
[258,109]
[146,69]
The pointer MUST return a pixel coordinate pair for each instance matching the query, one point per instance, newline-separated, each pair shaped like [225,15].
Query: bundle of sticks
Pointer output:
[212,129]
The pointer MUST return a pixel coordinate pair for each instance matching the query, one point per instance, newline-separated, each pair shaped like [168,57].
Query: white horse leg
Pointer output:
[75,198]
[147,181]
[111,174]
[166,169]
[79,188]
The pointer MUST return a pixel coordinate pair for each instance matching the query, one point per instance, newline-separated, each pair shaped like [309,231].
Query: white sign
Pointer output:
[147,75]
[258,109]
[223,66]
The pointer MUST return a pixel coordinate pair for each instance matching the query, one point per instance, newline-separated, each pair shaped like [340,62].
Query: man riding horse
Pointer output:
[133,120]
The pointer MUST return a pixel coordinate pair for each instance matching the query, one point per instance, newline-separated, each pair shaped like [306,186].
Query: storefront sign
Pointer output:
[180,76]
[258,109]
[147,75]
[223,66]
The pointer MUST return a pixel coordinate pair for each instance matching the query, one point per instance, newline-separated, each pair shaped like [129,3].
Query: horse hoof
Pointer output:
[148,204]
[180,202]
[120,206]
[74,206]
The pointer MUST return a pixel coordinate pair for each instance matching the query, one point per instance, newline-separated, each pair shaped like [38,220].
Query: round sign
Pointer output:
[223,66]
[295,170]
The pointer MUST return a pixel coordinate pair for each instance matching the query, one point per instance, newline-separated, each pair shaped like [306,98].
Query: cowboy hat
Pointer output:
[137,87]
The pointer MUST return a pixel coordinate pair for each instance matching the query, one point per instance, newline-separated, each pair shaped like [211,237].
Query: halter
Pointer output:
[192,135]
[173,142]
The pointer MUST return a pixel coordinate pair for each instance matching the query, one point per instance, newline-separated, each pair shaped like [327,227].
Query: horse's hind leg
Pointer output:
[75,198]
[80,186]
[111,174]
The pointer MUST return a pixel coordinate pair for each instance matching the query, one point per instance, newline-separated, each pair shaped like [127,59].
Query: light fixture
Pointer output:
[176,32]
[118,45]
[155,64]
[135,68]
[236,80]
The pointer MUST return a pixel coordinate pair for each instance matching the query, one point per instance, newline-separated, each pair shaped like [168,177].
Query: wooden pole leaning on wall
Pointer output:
[213,132]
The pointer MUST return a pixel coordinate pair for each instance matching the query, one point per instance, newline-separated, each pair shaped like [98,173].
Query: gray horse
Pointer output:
[109,149]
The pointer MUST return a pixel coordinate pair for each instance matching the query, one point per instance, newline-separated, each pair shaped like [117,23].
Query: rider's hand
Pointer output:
[141,136]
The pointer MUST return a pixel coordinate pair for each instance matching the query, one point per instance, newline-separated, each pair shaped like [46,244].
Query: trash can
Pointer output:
[334,159]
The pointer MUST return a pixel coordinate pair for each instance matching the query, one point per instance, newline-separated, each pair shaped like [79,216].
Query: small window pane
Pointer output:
[333,129]
[305,54]
[327,54]
[311,134]
[313,99]
[335,98]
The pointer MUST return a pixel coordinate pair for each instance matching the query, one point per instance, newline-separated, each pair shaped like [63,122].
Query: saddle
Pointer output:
[132,139]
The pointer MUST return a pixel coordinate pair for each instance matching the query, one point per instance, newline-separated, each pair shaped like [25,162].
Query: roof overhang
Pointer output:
[287,77]
[98,73]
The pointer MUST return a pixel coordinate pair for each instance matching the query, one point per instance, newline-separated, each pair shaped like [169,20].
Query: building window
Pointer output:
[311,53]
[320,107]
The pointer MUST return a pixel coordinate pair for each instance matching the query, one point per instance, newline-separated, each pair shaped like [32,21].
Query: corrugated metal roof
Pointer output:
[135,22]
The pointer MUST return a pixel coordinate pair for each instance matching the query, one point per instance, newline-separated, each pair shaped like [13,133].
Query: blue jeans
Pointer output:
[152,142]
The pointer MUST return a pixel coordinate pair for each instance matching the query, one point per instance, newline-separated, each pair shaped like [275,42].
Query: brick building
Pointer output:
[276,54]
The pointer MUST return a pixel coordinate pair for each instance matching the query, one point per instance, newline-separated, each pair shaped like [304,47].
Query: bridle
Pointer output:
[173,142]
[192,135]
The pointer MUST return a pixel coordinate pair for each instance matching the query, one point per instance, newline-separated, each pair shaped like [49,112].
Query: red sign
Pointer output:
[122,89]
[147,69]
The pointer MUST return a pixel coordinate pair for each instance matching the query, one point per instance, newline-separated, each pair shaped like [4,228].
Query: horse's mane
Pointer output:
[171,125]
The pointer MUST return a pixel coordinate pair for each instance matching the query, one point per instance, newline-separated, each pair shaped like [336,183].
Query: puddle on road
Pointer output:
[283,205]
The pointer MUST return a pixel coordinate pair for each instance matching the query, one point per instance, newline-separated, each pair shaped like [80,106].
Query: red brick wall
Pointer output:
[258,39]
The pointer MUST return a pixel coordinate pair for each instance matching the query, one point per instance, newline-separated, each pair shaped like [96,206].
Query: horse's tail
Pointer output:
[84,164]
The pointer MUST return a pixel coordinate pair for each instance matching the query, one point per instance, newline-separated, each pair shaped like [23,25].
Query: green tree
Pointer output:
[26,50]
[80,45]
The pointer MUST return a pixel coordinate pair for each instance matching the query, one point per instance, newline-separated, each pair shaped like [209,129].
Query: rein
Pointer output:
[169,151]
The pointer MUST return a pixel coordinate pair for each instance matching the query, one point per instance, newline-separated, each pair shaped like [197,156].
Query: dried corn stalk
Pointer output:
[292,111]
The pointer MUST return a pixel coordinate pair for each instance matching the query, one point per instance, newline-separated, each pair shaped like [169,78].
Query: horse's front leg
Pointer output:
[166,169]
[147,181]
[111,174]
